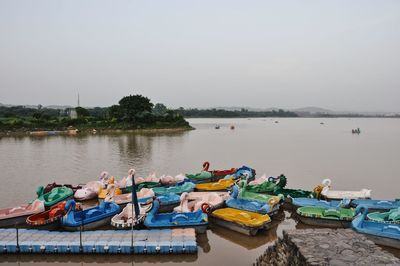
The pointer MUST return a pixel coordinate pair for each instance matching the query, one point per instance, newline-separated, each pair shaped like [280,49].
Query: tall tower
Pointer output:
[78,99]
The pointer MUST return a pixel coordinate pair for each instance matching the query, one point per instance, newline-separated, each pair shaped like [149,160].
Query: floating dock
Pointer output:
[164,241]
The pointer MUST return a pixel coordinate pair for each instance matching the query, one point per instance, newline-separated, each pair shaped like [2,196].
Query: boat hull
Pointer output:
[384,241]
[250,231]
[200,229]
[13,221]
[89,226]
[324,222]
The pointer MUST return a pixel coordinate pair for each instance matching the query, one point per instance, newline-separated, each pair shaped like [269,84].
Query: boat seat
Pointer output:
[391,229]
[332,213]
[394,216]
[93,213]
[180,216]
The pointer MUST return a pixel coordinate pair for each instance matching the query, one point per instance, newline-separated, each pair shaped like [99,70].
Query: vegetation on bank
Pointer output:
[131,112]
[221,113]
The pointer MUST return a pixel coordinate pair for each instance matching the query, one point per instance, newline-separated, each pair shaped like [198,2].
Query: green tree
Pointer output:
[115,112]
[159,109]
[133,105]
[81,112]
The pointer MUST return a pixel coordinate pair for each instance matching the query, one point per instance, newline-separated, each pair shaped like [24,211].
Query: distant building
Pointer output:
[72,113]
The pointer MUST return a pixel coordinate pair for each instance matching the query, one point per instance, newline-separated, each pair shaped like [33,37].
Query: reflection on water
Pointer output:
[303,149]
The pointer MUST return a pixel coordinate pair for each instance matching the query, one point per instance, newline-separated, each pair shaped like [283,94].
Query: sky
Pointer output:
[340,55]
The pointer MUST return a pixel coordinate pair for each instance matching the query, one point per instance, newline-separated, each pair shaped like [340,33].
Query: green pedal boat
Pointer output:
[249,195]
[390,217]
[55,196]
[326,217]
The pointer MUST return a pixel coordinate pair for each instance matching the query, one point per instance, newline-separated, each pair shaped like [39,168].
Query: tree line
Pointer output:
[221,113]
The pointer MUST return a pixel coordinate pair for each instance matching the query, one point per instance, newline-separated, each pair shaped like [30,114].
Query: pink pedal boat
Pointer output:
[143,196]
[193,201]
[18,215]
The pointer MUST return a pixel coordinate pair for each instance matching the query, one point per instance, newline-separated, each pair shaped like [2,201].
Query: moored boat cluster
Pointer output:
[232,198]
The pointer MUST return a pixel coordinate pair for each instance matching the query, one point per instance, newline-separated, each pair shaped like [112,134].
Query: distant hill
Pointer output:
[313,110]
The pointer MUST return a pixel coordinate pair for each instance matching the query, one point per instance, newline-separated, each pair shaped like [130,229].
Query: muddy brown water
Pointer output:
[305,150]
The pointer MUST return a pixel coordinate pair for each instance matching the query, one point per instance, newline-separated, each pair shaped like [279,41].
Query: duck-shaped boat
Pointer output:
[270,207]
[253,196]
[55,196]
[220,185]
[103,191]
[167,180]
[245,172]
[218,174]
[155,220]
[144,196]
[376,205]
[125,182]
[380,233]
[390,217]
[50,219]
[92,188]
[245,222]
[326,217]
[125,220]
[325,192]
[178,189]
[191,202]
[17,215]
[90,218]
[268,186]
[311,202]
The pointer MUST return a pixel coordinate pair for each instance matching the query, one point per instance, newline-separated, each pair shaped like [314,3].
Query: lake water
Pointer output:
[303,149]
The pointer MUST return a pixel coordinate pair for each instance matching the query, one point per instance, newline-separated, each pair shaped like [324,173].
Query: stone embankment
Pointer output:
[325,247]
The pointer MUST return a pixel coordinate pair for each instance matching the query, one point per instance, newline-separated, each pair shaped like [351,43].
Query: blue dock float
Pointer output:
[159,241]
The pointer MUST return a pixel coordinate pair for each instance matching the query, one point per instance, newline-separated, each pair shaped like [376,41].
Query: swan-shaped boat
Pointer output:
[207,175]
[55,196]
[17,215]
[90,218]
[270,207]
[268,186]
[245,222]
[125,220]
[245,172]
[202,177]
[49,187]
[253,196]
[125,181]
[380,233]
[50,219]
[220,185]
[191,202]
[325,191]
[168,202]
[218,174]
[92,188]
[390,217]
[326,217]
[167,180]
[179,189]
[103,191]
[308,202]
[144,195]
[155,220]
[376,205]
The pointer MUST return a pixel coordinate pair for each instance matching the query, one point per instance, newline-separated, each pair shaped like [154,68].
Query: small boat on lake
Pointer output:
[49,187]
[202,177]
[389,217]
[155,220]
[50,219]
[245,222]
[167,180]
[179,189]
[325,192]
[17,215]
[207,175]
[168,202]
[269,207]
[326,217]
[217,174]
[268,186]
[220,185]
[125,220]
[144,195]
[249,195]
[90,218]
[380,233]
[311,202]
[55,196]
[92,188]
[193,201]
[103,191]
[376,205]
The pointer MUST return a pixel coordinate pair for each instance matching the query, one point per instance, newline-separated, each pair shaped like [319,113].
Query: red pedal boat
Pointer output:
[218,174]
[49,187]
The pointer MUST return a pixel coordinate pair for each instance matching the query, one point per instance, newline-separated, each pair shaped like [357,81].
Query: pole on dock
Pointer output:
[80,236]
[135,205]
[16,228]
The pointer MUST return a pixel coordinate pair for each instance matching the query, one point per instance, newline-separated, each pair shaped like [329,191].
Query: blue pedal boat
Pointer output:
[89,219]
[380,233]
[271,207]
[155,220]
[168,202]
[376,205]
[312,202]
[179,189]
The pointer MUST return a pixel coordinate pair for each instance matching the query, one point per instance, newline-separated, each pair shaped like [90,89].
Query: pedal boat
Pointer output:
[179,189]
[55,196]
[90,218]
[191,202]
[332,217]
[168,202]
[144,196]
[167,180]
[245,222]
[198,178]
[220,185]
[218,174]
[103,191]
[380,233]
[268,186]
[325,191]
[269,207]
[155,220]
[17,215]
[50,219]
[125,220]
[49,187]
[92,188]
[308,202]
[390,217]
[376,205]
[248,195]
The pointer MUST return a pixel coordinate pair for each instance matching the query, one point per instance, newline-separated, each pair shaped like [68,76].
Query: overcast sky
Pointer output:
[342,55]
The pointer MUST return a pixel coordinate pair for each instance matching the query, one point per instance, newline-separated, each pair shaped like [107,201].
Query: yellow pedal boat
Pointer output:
[104,191]
[244,222]
[222,184]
